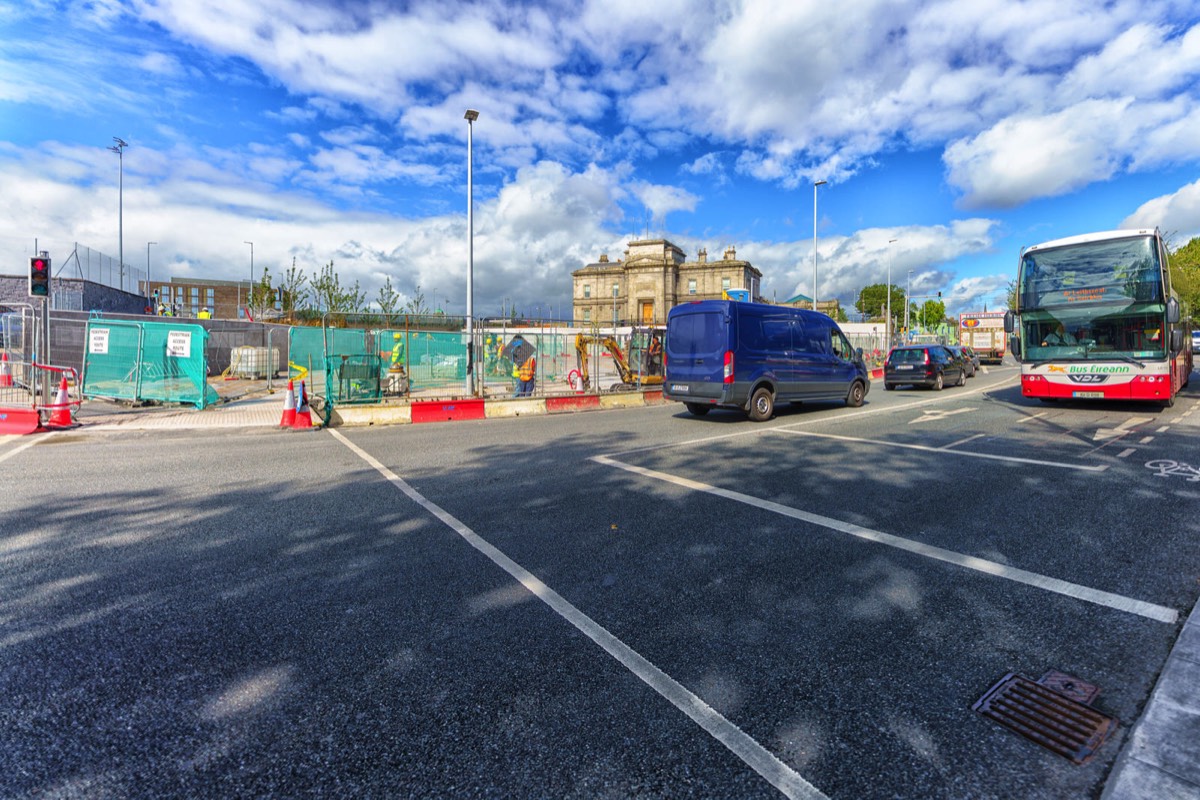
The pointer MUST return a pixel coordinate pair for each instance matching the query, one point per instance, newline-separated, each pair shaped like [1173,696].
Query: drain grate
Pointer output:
[1055,721]
[1071,686]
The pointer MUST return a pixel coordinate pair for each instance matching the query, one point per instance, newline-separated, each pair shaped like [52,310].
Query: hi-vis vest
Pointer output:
[527,369]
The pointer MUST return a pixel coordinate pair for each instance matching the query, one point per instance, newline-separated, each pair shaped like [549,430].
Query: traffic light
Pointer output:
[39,276]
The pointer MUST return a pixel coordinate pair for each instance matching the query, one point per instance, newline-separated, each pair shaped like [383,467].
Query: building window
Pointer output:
[587,290]
[587,315]
[724,284]
[691,285]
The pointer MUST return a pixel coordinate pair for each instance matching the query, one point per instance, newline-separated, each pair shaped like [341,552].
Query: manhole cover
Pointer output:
[1053,720]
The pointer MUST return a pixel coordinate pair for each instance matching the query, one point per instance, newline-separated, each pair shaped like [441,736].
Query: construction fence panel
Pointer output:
[141,361]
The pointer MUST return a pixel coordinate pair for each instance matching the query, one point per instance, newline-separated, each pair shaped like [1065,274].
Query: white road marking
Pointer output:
[927,449]
[1146,440]
[848,416]
[1120,430]
[961,441]
[1128,451]
[1032,417]
[934,414]
[22,447]
[757,757]
[1163,429]
[1085,593]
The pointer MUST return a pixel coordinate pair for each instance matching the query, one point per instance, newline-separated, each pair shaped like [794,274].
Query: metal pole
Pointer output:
[470,117]
[907,300]
[250,298]
[148,290]
[119,149]
[815,185]
[888,326]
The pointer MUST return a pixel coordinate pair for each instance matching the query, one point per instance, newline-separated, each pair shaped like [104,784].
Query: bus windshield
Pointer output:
[1118,271]
[1078,334]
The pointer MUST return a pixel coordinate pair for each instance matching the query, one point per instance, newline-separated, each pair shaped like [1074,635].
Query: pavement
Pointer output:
[1161,756]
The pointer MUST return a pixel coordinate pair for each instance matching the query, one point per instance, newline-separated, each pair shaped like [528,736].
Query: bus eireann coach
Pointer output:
[1096,318]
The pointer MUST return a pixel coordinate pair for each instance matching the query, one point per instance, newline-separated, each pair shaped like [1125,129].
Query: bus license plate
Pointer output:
[678,387]
[1087,394]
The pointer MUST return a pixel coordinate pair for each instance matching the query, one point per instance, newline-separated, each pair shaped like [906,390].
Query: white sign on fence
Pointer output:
[98,343]
[179,344]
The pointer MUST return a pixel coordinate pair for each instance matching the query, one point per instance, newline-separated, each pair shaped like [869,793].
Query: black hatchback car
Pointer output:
[931,365]
[970,357]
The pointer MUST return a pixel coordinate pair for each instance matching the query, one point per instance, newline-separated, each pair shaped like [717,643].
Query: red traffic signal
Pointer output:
[39,277]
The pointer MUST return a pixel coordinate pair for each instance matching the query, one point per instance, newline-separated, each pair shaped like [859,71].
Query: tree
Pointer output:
[874,297]
[933,313]
[1185,275]
[262,294]
[389,298]
[416,304]
[328,293]
[294,293]
[1011,298]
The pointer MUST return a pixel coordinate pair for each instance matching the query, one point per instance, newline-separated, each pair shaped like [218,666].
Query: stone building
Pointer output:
[653,277]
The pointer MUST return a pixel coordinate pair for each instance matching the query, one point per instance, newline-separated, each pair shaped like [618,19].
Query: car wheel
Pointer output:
[938,382]
[854,398]
[962,378]
[889,386]
[697,409]
[762,405]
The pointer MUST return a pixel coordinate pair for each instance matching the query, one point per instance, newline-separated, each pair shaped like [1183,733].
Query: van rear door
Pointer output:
[696,344]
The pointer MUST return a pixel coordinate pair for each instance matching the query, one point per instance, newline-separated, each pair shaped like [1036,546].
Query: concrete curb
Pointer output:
[1159,760]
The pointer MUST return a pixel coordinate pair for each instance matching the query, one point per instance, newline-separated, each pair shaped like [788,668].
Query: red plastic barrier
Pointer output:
[578,403]
[18,421]
[443,411]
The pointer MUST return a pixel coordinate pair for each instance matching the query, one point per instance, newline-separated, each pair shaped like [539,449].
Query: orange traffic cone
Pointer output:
[303,412]
[289,408]
[5,373]
[60,417]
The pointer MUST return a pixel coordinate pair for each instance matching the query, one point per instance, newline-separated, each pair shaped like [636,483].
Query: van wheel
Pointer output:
[697,409]
[855,397]
[762,405]
[938,383]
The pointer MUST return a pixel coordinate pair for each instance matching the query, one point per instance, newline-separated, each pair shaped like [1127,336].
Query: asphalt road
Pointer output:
[632,603]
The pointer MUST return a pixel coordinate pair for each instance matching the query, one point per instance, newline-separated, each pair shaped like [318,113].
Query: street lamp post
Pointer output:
[148,289]
[470,117]
[907,300]
[250,298]
[888,326]
[119,149]
[815,185]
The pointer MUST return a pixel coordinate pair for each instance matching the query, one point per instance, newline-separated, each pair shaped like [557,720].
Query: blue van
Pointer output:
[725,354]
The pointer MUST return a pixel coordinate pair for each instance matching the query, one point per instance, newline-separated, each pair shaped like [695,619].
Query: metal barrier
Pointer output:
[25,403]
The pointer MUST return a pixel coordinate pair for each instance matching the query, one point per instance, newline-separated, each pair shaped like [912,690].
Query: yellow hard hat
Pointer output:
[397,335]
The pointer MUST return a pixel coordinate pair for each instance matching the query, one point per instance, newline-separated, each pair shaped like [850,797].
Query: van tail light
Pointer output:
[728,366]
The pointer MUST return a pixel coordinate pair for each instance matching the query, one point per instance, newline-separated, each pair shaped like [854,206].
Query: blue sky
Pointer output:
[334,131]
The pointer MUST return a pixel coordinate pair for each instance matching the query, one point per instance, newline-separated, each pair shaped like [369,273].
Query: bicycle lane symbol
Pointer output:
[1165,468]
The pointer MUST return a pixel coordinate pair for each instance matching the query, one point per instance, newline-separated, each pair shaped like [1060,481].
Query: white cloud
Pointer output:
[1177,213]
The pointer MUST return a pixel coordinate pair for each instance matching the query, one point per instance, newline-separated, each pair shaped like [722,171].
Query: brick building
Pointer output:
[226,299]
[654,277]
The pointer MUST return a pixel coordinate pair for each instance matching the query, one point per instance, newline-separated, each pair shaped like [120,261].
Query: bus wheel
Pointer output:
[854,398]
[697,409]
[1169,402]
[762,405]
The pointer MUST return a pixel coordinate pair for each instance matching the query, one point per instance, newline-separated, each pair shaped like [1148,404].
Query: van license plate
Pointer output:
[678,387]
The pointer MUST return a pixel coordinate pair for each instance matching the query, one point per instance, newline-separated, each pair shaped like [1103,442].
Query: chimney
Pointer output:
[604,258]
[702,255]
[730,253]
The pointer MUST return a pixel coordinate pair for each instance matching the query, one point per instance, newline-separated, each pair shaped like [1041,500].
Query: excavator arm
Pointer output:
[629,378]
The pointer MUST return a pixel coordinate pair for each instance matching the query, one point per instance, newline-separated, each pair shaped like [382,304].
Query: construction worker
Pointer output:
[525,377]
[204,314]
[654,356]
[398,350]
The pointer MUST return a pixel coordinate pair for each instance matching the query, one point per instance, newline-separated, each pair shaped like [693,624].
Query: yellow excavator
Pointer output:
[651,373]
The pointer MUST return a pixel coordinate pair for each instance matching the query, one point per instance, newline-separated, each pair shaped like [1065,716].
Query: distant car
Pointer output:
[931,365]
[969,356]
[1196,341]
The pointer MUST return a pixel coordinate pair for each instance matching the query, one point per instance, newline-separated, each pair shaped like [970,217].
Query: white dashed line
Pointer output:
[1128,451]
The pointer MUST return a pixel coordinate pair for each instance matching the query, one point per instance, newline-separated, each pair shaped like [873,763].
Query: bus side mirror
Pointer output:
[1009,322]
[1014,346]
[1172,311]
[1176,340]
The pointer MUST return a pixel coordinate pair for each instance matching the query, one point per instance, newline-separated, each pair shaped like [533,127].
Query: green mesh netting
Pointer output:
[138,361]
